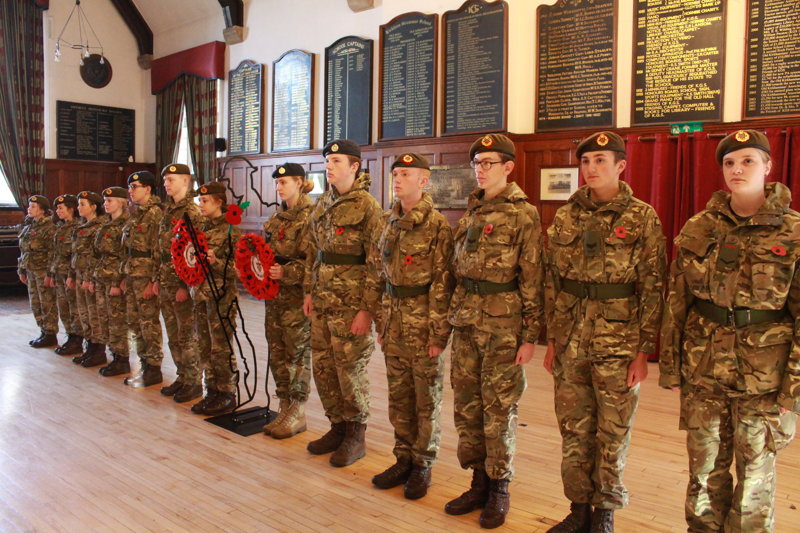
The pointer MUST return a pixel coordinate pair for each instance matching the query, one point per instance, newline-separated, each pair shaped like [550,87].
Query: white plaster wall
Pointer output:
[129,86]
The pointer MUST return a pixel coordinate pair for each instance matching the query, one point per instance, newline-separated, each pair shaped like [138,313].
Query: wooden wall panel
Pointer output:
[66,176]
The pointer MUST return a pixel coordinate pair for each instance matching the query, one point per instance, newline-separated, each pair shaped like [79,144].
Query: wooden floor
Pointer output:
[79,452]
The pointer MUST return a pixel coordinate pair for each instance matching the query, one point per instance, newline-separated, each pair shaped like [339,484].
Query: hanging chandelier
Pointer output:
[83,44]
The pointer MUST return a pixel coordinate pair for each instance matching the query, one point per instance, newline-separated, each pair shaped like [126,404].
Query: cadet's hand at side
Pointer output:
[637,371]
[276,271]
[549,357]
[23,278]
[434,351]
[148,291]
[182,295]
[524,353]
[360,325]
[307,308]
[115,291]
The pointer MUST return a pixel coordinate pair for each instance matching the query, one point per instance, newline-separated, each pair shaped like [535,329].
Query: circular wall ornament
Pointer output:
[96,71]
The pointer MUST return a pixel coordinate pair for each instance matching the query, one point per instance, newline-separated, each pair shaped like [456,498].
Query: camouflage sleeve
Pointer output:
[52,260]
[153,221]
[789,396]
[551,275]
[371,295]
[377,315]
[531,277]
[679,301]
[311,254]
[294,270]
[650,270]
[442,284]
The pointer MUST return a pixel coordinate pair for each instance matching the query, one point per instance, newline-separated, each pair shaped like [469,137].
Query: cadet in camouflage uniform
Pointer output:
[140,268]
[604,287]
[113,322]
[219,361]
[66,207]
[497,313]
[35,245]
[342,290]
[288,329]
[416,247]
[84,261]
[173,294]
[731,340]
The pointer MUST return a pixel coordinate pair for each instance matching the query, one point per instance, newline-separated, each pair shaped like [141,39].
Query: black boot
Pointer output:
[97,355]
[225,402]
[496,508]
[73,345]
[188,392]
[579,520]
[602,521]
[37,339]
[418,483]
[170,390]
[148,375]
[200,407]
[474,498]
[329,442]
[395,475]
[353,447]
[45,341]
[119,365]
[78,359]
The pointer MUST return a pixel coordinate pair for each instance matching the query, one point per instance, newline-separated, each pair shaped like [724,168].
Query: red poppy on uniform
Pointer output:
[488,228]
[108,235]
[139,227]
[621,232]
[339,230]
[80,233]
[281,233]
[61,238]
[779,250]
[408,260]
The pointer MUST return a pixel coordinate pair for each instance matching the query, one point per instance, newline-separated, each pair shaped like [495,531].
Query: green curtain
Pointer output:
[169,103]
[201,121]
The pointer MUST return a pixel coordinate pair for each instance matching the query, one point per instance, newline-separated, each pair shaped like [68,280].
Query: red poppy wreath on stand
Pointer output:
[254,257]
[184,255]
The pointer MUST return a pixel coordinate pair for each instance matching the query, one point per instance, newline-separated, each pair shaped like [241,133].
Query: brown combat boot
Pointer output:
[495,511]
[353,446]
[329,442]
[293,422]
[283,405]
[200,407]
[602,521]
[395,475]
[73,345]
[97,355]
[474,498]
[188,392]
[224,402]
[172,388]
[148,375]
[119,365]
[579,520]
[418,483]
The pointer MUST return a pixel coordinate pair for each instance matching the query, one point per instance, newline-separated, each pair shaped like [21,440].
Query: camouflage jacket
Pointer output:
[62,247]
[416,249]
[630,248]
[84,259]
[140,240]
[36,245]
[752,263]
[349,224]
[499,240]
[287,234]
[223,269]
[173,213]
[109,250]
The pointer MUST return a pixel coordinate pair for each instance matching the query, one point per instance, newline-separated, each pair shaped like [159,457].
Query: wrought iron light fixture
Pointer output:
[85,31]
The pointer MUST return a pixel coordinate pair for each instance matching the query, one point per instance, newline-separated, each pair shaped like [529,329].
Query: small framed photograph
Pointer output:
[317,177]
[557,183]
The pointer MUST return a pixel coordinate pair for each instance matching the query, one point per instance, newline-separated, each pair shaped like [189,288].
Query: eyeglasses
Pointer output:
[485,165]
[134,186]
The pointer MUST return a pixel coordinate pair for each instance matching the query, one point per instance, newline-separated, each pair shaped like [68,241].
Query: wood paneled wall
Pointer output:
[67,176]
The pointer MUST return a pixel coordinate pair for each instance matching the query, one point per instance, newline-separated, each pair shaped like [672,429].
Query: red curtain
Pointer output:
[200,97]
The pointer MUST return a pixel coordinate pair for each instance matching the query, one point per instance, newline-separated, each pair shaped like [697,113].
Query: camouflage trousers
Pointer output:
[595,409]
[487,386]
[87,311]
[719,429]
[143,321]
[215,336]
[67,306]
[289,336]
[43,301]
[340,365]
[179,321]
[415,396]
[112,322]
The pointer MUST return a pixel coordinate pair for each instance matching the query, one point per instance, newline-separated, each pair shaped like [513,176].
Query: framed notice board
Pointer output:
[94,132]
[292,101]
[246,108]
[348,90]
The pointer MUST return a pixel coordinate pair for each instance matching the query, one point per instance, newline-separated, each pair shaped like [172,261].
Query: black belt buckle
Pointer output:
[590,291]
[731,319]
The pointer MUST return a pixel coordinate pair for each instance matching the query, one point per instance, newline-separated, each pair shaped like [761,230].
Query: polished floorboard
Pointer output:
[79,452]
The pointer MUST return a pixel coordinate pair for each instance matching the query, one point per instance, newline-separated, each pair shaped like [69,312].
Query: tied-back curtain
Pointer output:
[201,121]
[169,104]
[21,98]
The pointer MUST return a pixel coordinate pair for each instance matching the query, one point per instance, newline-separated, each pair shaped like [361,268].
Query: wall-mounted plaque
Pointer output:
[94,132]
[245,108]
[772,79]
[475,67]
[292,101]
[348,90]
[451,185]
[408,45]
[575,76]
[679,60]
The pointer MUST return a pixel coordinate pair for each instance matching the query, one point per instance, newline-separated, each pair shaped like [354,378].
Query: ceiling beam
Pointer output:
[233,12]
[139,28]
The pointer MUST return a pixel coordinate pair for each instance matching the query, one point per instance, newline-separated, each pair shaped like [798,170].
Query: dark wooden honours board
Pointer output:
[292,101]
[772,79]
[575,77]
[679,61]
[94,132]
[408,45]
[348,90]
[475,67]
[246,108]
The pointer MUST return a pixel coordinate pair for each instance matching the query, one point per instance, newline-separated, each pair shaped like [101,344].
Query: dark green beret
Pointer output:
[742,139]
[342,146]
[493,143]
[43,202]
[176,168]
[70,200]
[410,160]
[115,192]
[601,141]
[289,169]
[93,197]
[144,177]
[215,187]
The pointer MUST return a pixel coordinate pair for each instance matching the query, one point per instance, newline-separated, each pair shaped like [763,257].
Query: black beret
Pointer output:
[601,141]
[493,143]
[342,146]
[115,192]
[215,187]
[91,196]
[145,177]
[43,202]
[409,160]
[70,200]
[742,139]
[176,168]
[289,169]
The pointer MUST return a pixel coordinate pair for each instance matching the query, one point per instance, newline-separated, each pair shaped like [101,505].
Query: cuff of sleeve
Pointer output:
[647,347]
[787,402]
[669,381]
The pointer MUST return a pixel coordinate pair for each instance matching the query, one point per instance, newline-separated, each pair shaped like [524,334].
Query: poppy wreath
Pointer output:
[184,255]
[254,257]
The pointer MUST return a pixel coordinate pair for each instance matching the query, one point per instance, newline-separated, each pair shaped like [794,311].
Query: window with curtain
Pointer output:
[6,198]
[183,150]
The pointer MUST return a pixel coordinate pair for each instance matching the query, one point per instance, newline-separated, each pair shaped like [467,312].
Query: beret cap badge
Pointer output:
[84,194]
[602,139]
[742,136]
[108,191]
[172,168]
[408,159]
[203,189]
[135,177]
[60,199]
[282,170]
[487,141]
[335,148]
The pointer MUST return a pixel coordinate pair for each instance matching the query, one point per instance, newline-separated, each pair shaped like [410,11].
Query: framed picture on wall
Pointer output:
[317,177]
[557,183]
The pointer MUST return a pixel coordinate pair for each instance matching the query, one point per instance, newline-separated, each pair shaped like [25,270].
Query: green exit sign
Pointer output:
[685,127]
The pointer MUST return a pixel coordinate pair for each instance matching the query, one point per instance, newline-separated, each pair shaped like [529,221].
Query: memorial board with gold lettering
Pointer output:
[292,101]
[246,108]
[348,90]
